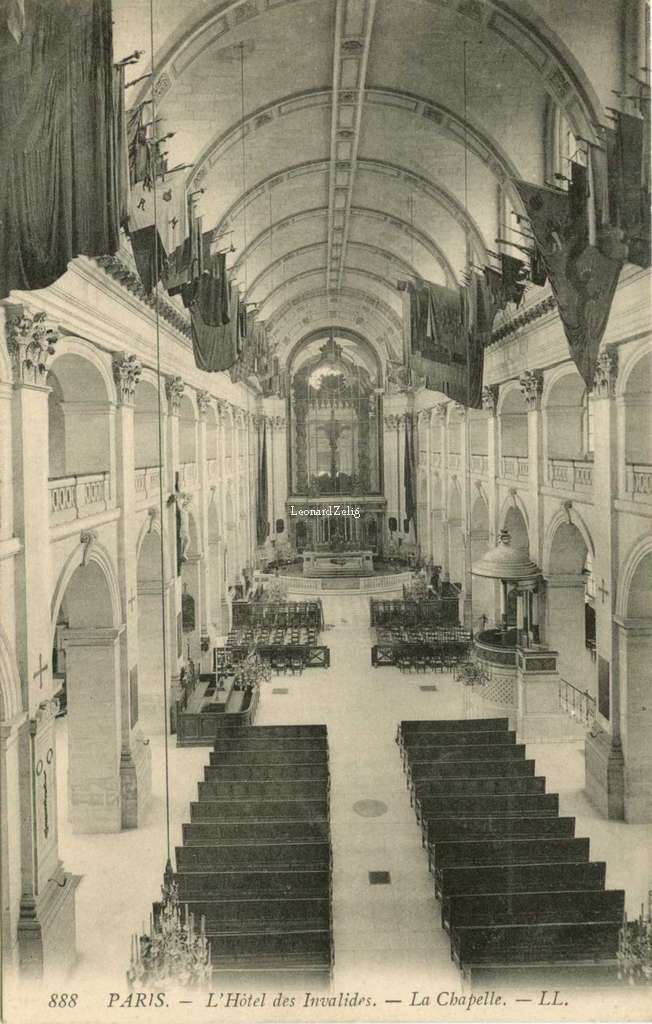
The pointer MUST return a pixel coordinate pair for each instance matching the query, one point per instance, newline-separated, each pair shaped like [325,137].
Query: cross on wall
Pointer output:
[42,669]
[602,590]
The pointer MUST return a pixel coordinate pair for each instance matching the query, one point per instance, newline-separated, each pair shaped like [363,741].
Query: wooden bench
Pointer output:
[412,727]
[259,810]
[306,944]
[211,833]
[425,788]
[250,741]
[469,770]
[248,755]
[472,829]
[550,942]
[241,915]
[286,789]
[254,885]
[265,772]
[458,739]
[509,878]
[490,909]
[497,752]
[281,731]
[280,857]
[503,805]
[506,851]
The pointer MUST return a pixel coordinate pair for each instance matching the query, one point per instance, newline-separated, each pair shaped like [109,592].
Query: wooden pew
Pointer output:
[281,731]
[235,949]
[246,755]
[497,752]
[280,857]
[214,833]
[250,741]
[548,943]
[253,885]
[469,769]
[412,727]
[509,878]
[264,772]
[458,739]
[255,914]
[490,909]
[472,829]
[259,810]
[503,805]
[506,851]
[426,788]
[287,789]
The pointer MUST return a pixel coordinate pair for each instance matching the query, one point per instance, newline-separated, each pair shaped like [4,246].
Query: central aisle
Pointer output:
[381,931]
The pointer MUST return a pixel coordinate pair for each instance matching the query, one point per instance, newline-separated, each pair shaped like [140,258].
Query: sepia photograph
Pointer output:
[325,511]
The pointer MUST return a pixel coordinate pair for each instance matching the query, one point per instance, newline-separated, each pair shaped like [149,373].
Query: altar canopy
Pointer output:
[59,175]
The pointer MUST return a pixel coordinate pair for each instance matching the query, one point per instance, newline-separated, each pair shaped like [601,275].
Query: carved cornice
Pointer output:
[174,389]
[223,408]
[440,410]
[392,422]
[531,384]
[606,372]
[490,398]
[528,316]
[31,344]
[127,371]
[278,422]
[116,269]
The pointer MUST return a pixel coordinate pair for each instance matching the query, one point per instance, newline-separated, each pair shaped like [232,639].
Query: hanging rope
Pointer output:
[244,163]
[159,379]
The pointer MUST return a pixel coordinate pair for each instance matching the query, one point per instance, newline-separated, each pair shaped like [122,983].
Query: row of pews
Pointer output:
[516,887]
[256,856]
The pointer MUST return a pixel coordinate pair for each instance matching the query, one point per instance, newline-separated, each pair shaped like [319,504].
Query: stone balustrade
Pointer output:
[187,475]
[480,465]
[147,481]
[638,481]
[75,497]
[570,474]
[514,467]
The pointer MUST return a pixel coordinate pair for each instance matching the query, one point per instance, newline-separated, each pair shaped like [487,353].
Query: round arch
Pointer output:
[10,688]
[99,556]
[629,568]
[562,520]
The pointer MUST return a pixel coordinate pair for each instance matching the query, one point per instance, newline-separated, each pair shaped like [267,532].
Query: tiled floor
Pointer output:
[382,931]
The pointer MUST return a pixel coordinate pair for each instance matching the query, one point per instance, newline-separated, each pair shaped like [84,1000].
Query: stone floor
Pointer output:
[387,936]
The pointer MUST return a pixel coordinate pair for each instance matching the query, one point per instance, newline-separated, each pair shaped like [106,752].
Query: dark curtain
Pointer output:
[216,348]
[408,474]
[262,511]
[57,142]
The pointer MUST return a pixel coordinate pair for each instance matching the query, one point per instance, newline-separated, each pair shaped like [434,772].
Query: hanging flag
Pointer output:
[408,474]
[262,511]
[121,168]
[149,255]
[582,278]
[138,148]
[513,273]
[16,19]
[57,180]
[630,180]
[216,348]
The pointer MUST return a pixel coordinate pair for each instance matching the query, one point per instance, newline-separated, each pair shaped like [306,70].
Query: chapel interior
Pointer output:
[325,495]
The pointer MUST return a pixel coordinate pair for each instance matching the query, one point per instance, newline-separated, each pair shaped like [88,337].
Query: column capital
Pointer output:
[127,371]
[278,422]
[531,384]
[606,372]
[393,421]
[223,407]
[31,343]
[204,401]
[490,398]
[174,389]
[424,416]
[441,411]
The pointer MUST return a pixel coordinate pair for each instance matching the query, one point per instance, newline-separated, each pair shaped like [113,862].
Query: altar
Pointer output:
[334,563]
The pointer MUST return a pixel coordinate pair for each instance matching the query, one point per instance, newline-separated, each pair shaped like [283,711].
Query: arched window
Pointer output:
[587,425]
[561,147]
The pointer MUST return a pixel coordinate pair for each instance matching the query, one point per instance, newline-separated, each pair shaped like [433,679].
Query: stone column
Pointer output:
[203,495]
[425,417]
[490,396]
[391,470]
[565,626]
[135,755]
[10,830]
[441,552]
[467,498]
[531,382]
[93,681]
[46,923]
[634,659]
[604,753]
[280,473]
[174,389]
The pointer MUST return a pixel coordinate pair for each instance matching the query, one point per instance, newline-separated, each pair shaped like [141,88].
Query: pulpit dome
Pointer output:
[506,563]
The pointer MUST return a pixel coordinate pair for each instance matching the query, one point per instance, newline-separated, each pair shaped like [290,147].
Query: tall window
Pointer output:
[562,146]
[587,424]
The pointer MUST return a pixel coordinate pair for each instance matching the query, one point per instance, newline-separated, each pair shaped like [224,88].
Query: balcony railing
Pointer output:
[515,467]
[212,469]
[453,462]
[147,481]
[480,464]
[638,481]
[570,474]
[74,497]
[579,704]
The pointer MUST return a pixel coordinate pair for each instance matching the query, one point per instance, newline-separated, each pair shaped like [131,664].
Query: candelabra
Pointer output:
[173,952]
[635,947]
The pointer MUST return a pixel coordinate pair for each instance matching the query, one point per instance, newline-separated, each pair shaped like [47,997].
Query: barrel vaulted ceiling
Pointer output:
[333,138]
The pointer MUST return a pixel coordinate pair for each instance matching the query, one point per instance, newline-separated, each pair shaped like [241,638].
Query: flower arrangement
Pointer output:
[173,953]
[635,948]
